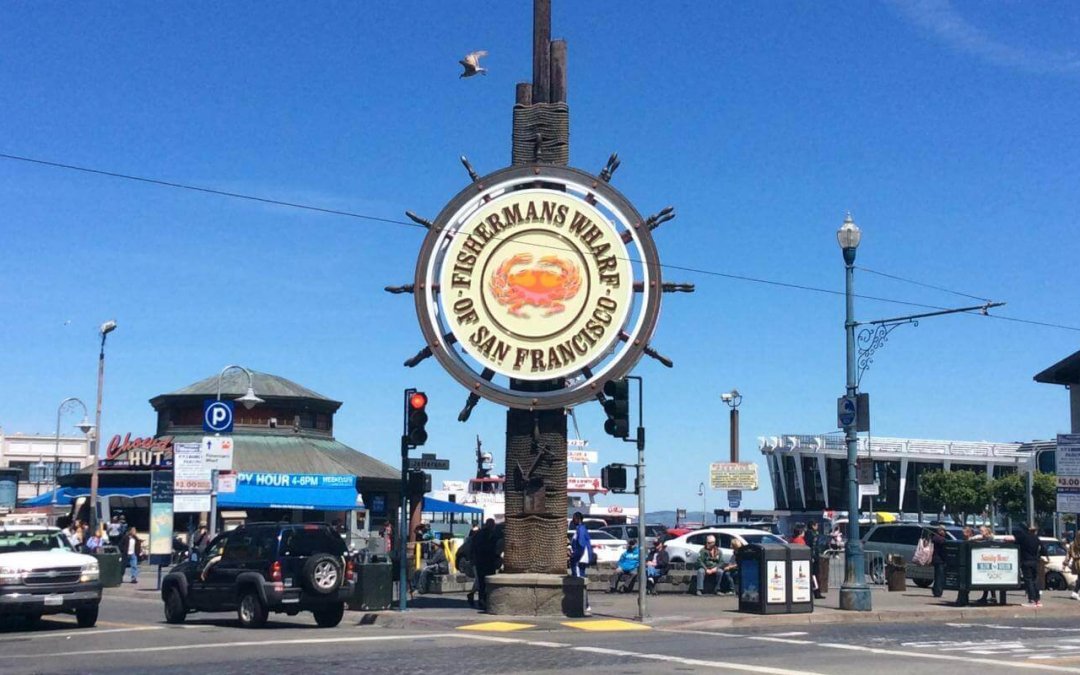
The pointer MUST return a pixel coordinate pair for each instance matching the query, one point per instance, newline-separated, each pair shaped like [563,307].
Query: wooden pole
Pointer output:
[558,72]
[524,94]
[541,51]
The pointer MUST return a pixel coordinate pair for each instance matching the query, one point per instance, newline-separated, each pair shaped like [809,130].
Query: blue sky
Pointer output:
[948,130]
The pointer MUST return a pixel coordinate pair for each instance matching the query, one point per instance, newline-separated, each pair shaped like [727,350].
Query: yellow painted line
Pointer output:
[498,626]
[606,625]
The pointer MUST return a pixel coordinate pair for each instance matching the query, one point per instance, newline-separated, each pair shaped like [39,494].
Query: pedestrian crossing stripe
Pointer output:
[606,625]
[497,626]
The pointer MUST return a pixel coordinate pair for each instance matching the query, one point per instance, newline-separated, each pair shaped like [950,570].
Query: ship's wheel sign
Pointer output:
[538,273]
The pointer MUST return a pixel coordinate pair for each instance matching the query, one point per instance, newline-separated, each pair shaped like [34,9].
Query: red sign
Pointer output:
[138,453]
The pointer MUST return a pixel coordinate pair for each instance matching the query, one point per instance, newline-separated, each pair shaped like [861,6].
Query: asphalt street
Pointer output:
[131,636]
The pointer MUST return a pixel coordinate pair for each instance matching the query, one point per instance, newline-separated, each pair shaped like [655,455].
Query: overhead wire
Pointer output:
[393,221]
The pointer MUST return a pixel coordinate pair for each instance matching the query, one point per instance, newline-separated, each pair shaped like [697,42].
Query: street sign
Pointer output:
[217,416]
[583,484]
[583,456]
[1068,473]
[191,479]
[865,471]
[428,463]
[576,443]
[218,452]
[846,408]
[226,483]
[734,498]
[733,476]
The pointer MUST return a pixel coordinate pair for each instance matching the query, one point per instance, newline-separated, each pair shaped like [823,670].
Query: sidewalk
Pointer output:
[683,611]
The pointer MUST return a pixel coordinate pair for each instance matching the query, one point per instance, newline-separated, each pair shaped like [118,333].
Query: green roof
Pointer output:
[299,454]
[235,382]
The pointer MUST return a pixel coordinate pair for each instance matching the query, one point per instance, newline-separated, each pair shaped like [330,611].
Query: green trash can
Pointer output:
[110,566]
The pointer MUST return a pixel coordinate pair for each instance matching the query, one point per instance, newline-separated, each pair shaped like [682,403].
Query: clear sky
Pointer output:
[948,129]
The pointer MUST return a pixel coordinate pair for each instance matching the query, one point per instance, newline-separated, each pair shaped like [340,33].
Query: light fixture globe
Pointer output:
[249,399]
[849,234]
[85,426]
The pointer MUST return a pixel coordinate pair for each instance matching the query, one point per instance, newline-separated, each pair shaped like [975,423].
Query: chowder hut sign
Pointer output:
[138,453]
[538,273]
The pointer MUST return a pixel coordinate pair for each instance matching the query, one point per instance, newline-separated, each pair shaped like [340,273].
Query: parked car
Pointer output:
[901,539]
[628,532]
[685,549]
[764,526]
[260,568]
[1058,577]
[607,547]
[41,574]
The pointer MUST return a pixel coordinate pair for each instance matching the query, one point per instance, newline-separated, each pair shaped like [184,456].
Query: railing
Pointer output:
[873,567]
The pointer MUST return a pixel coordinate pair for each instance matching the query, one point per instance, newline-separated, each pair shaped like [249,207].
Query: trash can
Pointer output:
[374,587]
[110,566]
[774,579]
[896,573]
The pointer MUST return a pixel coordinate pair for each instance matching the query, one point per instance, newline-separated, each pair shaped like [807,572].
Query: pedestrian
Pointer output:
[814,540]
[96,540]
[729,573]
[1031,549]
[963,596]
[797,536]
[986,534]
[436,564]
[1072,563]
[836,539]
[938,560]
[131,549]
[73,535]
[657,564]
[708,566]
[581,551]
[387,534]
[199,542]
[486,559]
[114,530]
[465,563]
[627,568]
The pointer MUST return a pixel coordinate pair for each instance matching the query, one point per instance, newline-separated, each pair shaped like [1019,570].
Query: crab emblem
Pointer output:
[544,285]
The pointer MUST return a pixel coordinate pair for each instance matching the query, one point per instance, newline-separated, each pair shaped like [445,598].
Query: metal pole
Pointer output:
[56,466]
[96,440]
[854,593]
[403,560]
[643,578]
[734,434]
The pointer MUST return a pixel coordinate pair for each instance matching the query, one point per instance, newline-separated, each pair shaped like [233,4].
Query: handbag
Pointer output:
[924,552]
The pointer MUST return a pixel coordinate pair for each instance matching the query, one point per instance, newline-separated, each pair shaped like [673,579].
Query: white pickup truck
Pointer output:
[41,574]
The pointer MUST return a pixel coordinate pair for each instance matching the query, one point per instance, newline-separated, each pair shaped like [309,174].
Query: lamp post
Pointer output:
[249,401]
[733,398]
[854,593]
[106,328]
[701,493]
[85,426]
[40,466]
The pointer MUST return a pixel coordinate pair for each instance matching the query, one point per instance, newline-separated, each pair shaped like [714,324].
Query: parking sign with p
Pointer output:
[217,416]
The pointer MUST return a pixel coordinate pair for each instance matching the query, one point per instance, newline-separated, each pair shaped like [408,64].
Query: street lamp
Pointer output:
[84,426]
[95,442]
[733,398]
[40,466]
[701,493]
[249,401]
[854,593]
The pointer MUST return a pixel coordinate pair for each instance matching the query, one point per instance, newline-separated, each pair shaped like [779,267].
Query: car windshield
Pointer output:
[763,538]
[1054,548]
[29,540]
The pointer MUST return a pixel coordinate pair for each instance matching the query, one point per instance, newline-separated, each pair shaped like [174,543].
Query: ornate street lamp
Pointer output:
[249,401]
[854,593]
[95,442]
[84,426]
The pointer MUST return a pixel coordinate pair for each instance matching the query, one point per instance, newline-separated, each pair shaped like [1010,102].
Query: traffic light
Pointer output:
[416,417]
[617,407]
[419,482]
[613,477]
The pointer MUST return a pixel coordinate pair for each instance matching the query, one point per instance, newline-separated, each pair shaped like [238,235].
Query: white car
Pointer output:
[40,574]
[1058,577]
[685,549]
[608,549]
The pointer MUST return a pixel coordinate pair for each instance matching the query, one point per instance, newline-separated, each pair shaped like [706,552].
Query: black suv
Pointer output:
[260,568]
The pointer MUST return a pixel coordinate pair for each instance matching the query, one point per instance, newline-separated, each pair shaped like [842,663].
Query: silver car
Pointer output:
[901,539]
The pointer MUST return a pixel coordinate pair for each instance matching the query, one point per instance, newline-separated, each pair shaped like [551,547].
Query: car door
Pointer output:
[201,594]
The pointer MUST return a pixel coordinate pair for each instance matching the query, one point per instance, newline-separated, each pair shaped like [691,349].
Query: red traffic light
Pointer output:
[418,400]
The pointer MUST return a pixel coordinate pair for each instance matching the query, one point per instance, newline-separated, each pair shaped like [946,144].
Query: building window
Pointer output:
[777,481]
[35,472]
[815,491]
[836,472]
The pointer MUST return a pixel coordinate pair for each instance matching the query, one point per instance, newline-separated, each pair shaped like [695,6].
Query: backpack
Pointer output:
[924,552]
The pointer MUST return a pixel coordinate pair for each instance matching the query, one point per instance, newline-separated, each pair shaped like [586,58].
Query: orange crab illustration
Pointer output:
[544,285]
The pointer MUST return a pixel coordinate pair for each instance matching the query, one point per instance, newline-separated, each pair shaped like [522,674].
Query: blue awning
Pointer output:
[291,491]
[439,506]
[66,495]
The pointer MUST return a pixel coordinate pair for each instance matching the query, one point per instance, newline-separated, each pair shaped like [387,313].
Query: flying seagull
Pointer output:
[471,63]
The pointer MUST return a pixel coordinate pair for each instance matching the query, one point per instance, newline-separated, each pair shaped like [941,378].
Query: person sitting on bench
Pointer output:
[626,572]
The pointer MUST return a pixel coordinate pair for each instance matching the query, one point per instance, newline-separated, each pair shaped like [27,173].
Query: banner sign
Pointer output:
[583,484]
[1068,473]
[995,566]
[138,453]
[733,476]
[192,481]
[583,456]
[161,517]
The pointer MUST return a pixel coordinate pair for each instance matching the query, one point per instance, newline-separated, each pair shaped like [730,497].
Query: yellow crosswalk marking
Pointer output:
[606,625]
[497,626]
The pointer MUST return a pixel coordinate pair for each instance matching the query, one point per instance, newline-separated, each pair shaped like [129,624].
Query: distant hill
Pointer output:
[668,517]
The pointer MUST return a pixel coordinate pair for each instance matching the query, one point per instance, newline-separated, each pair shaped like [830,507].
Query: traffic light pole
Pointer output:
[403,559]
[639,440]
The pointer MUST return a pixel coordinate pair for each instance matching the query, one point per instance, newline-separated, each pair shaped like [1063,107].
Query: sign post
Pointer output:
[161,520]
[1068,473]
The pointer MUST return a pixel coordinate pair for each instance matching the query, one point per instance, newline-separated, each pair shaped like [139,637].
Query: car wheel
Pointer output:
[175,612]
[251,612]
[322,574]
[923,583]
[1055,582]
[328,617]
[86,617]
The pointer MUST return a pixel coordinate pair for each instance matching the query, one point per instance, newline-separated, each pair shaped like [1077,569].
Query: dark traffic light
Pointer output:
[416,417]
[617,407]
[419,482]
[613,477]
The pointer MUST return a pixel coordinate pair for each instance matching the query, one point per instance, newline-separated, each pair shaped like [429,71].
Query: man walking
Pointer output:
[1030,551]
[708,566]
[581,552]
[938,541]
[131,549]
[815,541]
